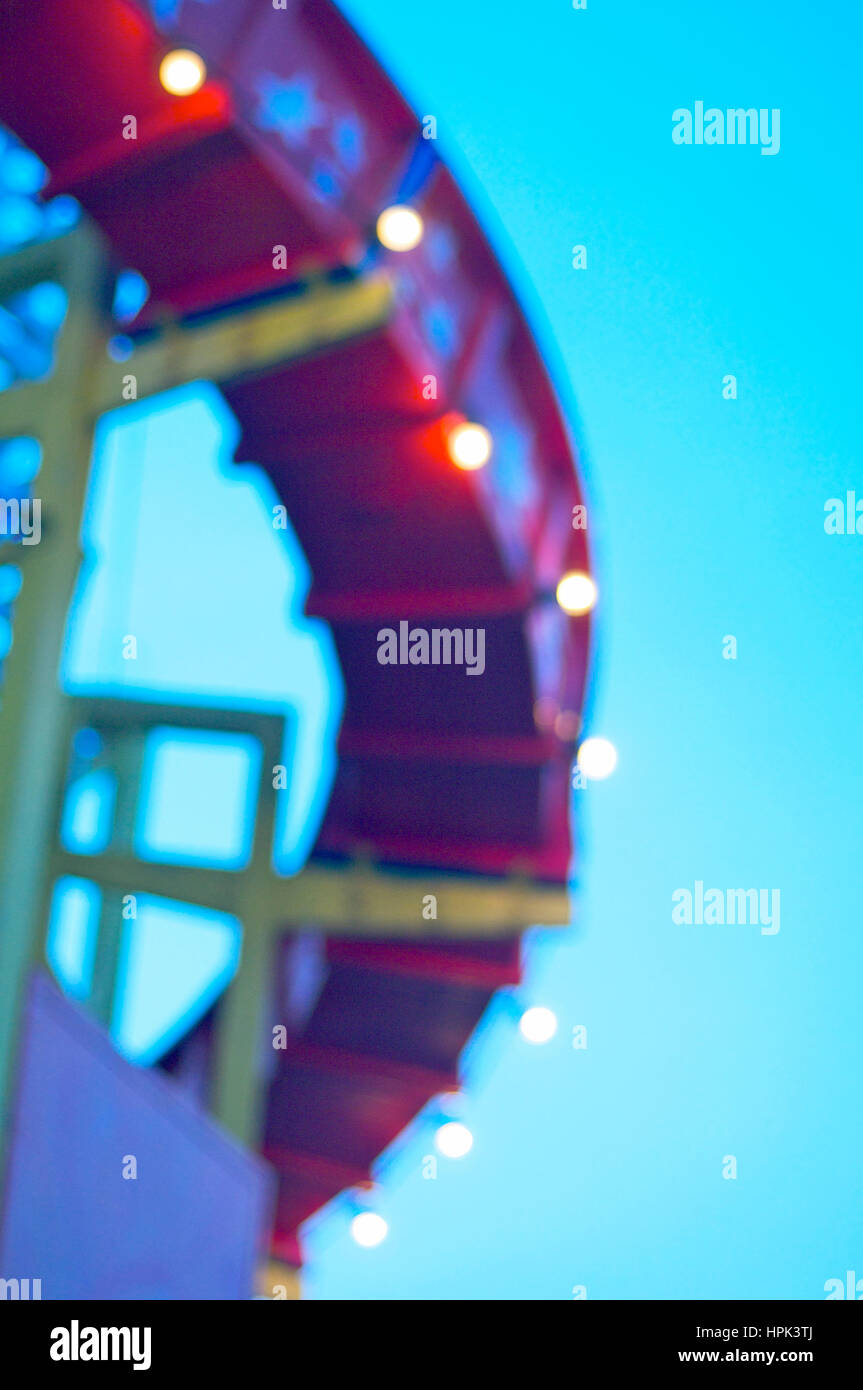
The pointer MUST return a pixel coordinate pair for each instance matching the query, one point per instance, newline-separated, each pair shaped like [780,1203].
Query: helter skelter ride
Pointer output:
[384,376]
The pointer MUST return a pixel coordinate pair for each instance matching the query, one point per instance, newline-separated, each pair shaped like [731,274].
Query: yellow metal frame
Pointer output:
[37,719]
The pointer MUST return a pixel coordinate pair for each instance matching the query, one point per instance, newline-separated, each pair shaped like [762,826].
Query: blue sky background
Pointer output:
[603,1167]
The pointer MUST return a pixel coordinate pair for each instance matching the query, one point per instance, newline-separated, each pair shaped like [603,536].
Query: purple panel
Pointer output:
[191,1225]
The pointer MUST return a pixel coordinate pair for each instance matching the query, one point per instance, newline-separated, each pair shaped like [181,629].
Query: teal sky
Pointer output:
[603,1167]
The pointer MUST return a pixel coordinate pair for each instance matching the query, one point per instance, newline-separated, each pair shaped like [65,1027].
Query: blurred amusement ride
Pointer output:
[228,208]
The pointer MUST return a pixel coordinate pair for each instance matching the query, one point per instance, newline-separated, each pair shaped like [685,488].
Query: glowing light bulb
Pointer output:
[369,1229]
[453,1140]
[469,446]
[400,228]
[182,72]
[597,758]
[576,592]
[538,1025]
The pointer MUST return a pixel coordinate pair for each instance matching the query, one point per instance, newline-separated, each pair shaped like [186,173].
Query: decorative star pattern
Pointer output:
[291,108]
[294,110]
[348,142]
[167,12]
[440,327]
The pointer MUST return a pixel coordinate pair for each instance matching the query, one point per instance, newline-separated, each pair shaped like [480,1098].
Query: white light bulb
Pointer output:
[182,72]
[469,446]
[597,758]
[369,1229]
[538,1025]
[453,1140]
[576,592]
[399,228]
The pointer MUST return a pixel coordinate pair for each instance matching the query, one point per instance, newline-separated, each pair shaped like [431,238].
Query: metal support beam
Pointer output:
[123,752]
[357,899]
[241,1048]
[35,717]
[354,900]
[235,344]
[239,1074]
[106,965]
